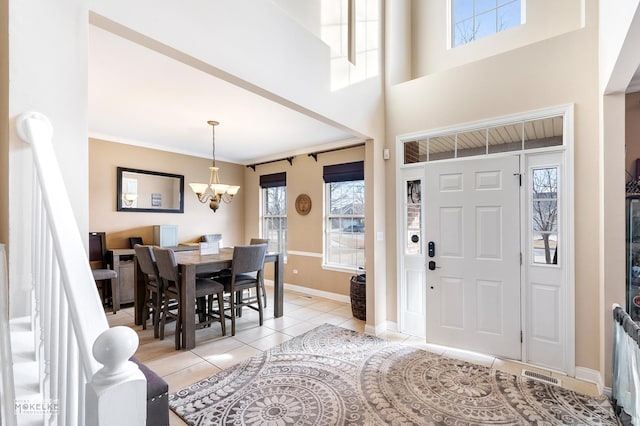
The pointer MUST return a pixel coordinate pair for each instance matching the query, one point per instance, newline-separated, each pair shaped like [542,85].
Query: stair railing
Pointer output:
[625,391]
[85,374]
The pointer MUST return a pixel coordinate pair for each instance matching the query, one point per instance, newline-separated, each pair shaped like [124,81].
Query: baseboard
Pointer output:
[313,292]
[380,328]
[589,375]
[369,329]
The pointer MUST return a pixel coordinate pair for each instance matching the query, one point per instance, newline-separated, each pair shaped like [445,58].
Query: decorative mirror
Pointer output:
[146,191]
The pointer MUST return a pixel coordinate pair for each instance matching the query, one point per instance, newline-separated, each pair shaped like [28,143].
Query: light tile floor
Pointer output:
[213,352]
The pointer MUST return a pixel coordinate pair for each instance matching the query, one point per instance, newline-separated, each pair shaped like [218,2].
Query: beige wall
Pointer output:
[197,218]
[540,75]
[305,233]
[632,134]
[544,19]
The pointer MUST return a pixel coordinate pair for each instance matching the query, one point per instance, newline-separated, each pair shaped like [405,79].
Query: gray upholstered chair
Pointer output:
[246,261]
[255,241]
[102,274]
[205,289]
[154,294]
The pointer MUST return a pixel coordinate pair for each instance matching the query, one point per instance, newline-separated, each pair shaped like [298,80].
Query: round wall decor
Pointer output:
[303,204]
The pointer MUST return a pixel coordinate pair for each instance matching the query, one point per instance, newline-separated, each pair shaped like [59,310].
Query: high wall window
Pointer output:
[474,19]
[351,28]
[344,215]
[274,211]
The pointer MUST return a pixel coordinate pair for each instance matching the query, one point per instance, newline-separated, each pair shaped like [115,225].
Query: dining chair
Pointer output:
[102,273]
[246,260]
[205,289]
[227,272]
[153,289]
[255,241]
[135,240]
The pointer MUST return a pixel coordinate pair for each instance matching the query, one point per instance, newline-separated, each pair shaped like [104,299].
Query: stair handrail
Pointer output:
[117,382]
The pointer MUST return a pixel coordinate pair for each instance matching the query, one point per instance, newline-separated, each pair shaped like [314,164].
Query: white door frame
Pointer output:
[566,221]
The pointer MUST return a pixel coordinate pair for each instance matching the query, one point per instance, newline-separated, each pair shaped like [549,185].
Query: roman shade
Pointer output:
[273,180]
[343,172]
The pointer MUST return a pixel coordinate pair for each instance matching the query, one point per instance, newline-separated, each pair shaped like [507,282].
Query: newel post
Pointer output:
[117,393]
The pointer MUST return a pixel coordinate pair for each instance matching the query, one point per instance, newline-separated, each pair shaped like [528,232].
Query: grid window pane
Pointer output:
[274,218]
[474,19]
[344,238]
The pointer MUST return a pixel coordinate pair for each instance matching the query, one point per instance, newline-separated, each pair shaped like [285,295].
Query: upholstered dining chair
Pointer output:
[246,261]
[205,289]
[102,274]
[255,241]
[153,294]
[227,272]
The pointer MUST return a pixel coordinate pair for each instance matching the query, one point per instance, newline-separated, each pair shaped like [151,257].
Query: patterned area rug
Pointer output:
[334,376]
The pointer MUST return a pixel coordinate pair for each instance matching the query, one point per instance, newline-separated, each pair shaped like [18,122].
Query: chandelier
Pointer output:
[214,191]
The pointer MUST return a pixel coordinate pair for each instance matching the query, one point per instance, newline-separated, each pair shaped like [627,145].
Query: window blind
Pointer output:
[343,172]
[273,180]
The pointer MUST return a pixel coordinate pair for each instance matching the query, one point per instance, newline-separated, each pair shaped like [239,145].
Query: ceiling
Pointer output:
[140,97]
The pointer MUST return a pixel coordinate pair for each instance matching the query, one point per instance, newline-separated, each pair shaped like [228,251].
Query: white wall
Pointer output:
[47,71]
[307,13]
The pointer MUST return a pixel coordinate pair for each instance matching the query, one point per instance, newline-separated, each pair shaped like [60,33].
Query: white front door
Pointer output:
[473,275]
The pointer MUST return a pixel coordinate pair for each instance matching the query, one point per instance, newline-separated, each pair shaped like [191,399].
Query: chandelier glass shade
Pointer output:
[214,192]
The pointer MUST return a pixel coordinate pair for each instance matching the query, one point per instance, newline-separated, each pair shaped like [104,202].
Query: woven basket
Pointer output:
[359,296]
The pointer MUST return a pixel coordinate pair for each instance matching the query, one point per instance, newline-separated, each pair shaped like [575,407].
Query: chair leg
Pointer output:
[115,295]
[259,299]
[156,314]
[163,319]
[232,308]
[264,293]
[223,321]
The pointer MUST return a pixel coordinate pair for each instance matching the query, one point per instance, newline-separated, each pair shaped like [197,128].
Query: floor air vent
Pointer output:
[541,377]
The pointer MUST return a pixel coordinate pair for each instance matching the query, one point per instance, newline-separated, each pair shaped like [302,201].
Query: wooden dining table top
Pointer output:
[193,257]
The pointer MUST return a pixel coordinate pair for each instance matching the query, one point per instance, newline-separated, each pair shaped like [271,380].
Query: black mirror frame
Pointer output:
[121,208]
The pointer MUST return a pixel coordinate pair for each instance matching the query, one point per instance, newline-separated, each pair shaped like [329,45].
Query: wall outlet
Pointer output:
[295,271]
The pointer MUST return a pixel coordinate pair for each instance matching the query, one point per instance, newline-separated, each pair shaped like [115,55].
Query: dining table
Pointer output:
[192,263]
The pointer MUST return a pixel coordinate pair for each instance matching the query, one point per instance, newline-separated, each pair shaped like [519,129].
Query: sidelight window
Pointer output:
[544,215]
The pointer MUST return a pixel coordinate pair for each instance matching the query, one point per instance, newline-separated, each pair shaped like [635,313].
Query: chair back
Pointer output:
[248,258]
[146,260]
[135,240]
[97,249]
[255,241]
[167,265]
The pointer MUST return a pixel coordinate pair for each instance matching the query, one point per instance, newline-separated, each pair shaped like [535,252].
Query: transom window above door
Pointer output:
[474,19]
[516,136]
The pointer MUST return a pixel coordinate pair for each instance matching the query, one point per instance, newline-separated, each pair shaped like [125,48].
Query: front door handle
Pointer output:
[432,265]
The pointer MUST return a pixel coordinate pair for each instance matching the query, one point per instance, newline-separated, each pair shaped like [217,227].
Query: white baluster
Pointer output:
[72,378]
[60,370]
[119,383]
